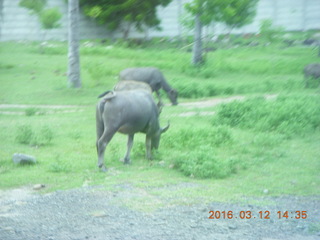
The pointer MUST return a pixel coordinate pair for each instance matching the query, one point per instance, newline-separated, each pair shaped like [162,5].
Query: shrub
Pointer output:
[31,111]
[44,137]
[269,32]
[203,164]
[200,158]
[36,6]
[266,140]
[289,116]
[58,166]
[49,18]
[24,134]
[239,112]
[194,138]
[221,135]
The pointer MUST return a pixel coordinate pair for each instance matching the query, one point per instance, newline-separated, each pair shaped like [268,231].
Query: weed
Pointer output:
[200,158]
[269,32]
[31,111]
[59,166]
[43,137]
[203,164]
[221,135]
[6,66]
[267,140]
[24,134]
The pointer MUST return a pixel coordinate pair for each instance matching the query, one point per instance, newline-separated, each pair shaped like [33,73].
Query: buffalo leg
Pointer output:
[101,147]
[160,103]
[99,123]
[126,159]
[148,148]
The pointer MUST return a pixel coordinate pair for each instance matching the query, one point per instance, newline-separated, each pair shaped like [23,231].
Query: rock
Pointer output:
[38,186]
[232,227]
[98,214]
[162,163]
[19,158]
[311,41]
[171,166]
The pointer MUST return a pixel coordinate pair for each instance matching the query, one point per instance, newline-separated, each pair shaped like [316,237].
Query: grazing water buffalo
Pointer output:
[311,71]
[154,78]
[127,112]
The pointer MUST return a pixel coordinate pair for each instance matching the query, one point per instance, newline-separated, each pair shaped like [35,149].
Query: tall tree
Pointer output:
[234,13]
[238,13]
[197,45]
[74,79]
[204,12]
[123,15]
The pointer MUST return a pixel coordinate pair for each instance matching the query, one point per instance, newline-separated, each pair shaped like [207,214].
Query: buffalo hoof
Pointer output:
[125,161]
[103,168]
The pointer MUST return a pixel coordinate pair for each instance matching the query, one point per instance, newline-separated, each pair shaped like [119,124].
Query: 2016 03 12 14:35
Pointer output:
[265,214]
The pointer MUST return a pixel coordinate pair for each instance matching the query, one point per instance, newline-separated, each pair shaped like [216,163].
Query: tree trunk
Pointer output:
[197,46]
[74,79]
[126,31]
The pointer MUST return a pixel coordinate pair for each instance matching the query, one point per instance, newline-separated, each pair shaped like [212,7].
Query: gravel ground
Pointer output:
[97,213]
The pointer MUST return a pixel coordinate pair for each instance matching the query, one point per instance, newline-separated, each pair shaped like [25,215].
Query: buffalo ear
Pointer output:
[165,128]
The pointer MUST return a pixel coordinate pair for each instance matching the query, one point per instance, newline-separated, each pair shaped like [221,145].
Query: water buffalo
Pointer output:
[126,85]
[127,112]
[154,78]
[311,71]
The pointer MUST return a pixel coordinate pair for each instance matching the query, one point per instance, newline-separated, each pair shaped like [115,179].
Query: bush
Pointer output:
[203,164]
[194,138]
[26,135]
[240,113]
[200,160]
[269,32]
[289,116]
[31,111]
[58,166]
[202,89]
[49,18]
[44,137]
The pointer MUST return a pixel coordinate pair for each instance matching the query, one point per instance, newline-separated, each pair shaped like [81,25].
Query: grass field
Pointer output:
[246,148]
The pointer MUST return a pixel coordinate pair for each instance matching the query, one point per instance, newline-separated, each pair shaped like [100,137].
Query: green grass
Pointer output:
[232,154]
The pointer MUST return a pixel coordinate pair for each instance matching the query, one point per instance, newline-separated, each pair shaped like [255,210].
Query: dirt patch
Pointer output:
[20,109]
[96,213]
[211,103]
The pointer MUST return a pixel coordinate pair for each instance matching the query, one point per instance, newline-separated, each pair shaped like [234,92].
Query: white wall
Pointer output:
[17,24]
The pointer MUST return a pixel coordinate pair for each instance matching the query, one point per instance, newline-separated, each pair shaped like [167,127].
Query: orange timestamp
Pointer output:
[257,215]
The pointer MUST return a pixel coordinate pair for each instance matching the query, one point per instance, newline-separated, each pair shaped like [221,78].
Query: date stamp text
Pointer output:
[258,215]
